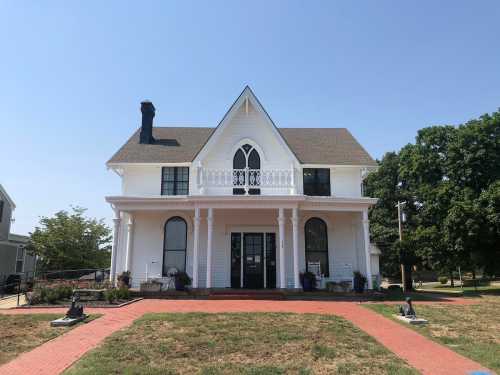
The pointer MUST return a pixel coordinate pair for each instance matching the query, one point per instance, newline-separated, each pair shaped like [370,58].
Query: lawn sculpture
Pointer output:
[407,309]
[408,315]
[75,311]
[73,315]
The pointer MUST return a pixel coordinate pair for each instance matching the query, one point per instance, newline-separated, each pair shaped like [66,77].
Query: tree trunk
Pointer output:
[408,287]
[474,279]
[451,279]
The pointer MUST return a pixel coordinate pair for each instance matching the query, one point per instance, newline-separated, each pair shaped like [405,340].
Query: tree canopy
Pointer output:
[450,181]
[69,240]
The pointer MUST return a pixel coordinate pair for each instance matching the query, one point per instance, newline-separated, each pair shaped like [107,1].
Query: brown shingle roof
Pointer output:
[311,146]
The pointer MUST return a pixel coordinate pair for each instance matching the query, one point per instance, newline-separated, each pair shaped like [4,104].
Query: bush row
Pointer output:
[112,295]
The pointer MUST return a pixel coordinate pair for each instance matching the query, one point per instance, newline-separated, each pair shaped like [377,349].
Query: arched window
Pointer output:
[174,245]
[246,157]
[316,237]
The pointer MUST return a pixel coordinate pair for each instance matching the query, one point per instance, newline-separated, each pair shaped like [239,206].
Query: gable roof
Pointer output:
[333,146]
[246,96]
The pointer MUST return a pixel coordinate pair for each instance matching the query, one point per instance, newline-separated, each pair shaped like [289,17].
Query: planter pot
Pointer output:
[179,286]
[307,285]
[359,286]
[150,287]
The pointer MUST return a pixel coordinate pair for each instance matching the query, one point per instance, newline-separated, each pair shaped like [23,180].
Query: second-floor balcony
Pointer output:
[247,179]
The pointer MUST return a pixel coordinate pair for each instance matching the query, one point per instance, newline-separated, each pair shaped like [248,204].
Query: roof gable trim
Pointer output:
[246,94]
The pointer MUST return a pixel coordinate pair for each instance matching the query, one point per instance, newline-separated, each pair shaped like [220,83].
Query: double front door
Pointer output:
[253,260]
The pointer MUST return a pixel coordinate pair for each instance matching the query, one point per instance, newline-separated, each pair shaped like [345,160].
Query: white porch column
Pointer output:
[295,234]
[210,227]
[281,223]
[130,240]
[196,237]
[366,233]
[114,250]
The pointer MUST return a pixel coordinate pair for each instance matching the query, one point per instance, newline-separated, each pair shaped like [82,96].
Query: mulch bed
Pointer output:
[87,304]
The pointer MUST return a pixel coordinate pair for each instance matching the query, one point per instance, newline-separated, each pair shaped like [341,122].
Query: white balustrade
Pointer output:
[246,178]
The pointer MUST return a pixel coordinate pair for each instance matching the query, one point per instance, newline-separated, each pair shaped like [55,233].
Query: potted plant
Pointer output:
[308,281]
[124,279]
[182,280]
[359,282]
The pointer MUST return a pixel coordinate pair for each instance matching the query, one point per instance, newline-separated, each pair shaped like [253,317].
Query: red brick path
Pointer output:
[56,355]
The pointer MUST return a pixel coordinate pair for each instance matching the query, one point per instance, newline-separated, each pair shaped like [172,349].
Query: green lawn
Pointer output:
[493,289]
[244,343]
[472,330]
[21,333]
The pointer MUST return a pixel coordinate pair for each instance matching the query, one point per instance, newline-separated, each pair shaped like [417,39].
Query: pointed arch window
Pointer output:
[246,170]
[316,237]
[174,245]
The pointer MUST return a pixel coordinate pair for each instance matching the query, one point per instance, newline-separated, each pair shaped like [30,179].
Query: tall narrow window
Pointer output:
[20,259]
[317,243]
[317,181]
[1,211]
[174,245]
[175,181]
[246,170]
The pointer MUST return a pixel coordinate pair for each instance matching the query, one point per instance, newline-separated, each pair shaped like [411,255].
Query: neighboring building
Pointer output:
[13,256]
[245,204]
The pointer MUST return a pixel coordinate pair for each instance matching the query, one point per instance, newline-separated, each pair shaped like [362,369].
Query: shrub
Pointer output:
[64,291]
[122,293]
[443,280]
[124,279]
[110,295]
[51,296]
[33,298]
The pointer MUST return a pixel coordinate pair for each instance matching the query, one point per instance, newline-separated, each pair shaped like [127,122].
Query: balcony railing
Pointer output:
[246,178]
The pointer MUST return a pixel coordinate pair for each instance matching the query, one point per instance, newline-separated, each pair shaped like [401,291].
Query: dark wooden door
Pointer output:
[253,260]
[235,260]
[270,260]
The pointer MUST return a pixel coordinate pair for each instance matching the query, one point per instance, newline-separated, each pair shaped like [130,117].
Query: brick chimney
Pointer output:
[148,113]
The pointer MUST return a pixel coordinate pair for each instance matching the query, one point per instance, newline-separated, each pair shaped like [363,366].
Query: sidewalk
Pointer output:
[56,355]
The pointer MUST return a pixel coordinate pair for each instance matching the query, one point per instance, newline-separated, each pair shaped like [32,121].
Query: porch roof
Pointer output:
[155,203]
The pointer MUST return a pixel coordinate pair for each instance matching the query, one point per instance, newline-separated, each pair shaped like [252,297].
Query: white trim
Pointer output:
[246,94]
[238,145]
[131,164]
[9,199]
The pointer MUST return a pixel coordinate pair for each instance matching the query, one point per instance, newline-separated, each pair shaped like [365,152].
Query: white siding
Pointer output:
[141,180]
[343,230]
[346,182]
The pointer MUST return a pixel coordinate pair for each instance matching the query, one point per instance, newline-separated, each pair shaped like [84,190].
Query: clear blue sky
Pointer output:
[72,75]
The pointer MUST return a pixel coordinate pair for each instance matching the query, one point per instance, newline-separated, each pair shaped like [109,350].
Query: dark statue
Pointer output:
[75,311]
[407,309]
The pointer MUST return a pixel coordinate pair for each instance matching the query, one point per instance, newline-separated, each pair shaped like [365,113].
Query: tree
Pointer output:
[69,240]
[383,184]
[450,181]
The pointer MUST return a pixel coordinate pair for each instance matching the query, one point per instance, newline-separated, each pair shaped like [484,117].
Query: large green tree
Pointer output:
[69,240]
[450,181]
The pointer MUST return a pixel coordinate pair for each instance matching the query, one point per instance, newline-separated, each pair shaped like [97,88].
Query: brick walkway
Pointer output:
[58,354]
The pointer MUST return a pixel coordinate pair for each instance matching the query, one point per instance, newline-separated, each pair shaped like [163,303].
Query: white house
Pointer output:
[243,205]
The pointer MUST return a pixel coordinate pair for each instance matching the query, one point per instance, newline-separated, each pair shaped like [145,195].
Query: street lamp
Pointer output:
[401,219]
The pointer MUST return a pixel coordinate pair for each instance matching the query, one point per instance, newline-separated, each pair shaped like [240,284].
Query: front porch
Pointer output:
[243,242]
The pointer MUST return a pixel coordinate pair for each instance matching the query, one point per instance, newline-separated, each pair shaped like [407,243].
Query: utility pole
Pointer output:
[400,224]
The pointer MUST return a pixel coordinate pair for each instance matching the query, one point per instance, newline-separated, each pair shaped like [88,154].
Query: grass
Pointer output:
[251,344]
[470,330]
[493,289]
[22,333]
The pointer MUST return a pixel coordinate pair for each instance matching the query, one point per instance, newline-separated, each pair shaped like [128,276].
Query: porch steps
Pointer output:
[241,294]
